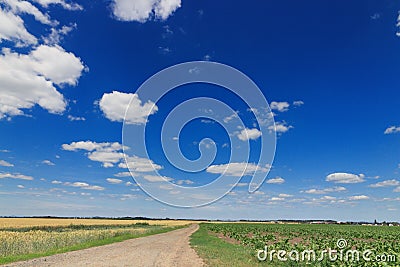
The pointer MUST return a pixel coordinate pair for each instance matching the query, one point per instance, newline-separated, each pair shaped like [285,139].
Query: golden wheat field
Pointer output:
[31,222]
[24,236]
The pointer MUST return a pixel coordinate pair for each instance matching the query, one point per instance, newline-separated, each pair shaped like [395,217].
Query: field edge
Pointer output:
[94,243]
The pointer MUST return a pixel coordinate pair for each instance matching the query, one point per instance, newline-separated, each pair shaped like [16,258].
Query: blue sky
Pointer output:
[329,70]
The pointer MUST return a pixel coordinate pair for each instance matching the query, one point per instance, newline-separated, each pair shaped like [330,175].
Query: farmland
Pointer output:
[237,244]
[29,238]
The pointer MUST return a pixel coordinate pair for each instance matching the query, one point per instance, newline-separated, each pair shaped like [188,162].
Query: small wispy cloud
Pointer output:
[392,130]
[6,163]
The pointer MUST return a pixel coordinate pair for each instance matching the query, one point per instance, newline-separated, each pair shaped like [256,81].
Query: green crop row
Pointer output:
[381,244]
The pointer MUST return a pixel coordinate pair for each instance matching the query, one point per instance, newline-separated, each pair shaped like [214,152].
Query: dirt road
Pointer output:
[168,249]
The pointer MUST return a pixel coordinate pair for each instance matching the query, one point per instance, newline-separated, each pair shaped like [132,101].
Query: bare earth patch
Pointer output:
[167,249]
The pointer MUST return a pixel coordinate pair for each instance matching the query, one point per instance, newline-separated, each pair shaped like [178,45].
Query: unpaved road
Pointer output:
[167,249]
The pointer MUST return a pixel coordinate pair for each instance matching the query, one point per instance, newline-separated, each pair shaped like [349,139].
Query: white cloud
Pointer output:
[72,118]
[143,10]
[56,35]
[20,186]
[56,182]
[115,104]
[85,186]
[386,183]
[90,146]
[279,106]
[325,190]
[298,103]
[231,117]
[398,25]
[48,162]
[26,80]
[392,130]
[106,152]
[328,198]
[137,164]
[360,197]
[280,127]
[12,29]
[15,176]
[19,7]
[345,178]
[110,154]
[277,180]
[63,3]
[108,158]
[123,174]
[277,199]
[237,169]
[285,195]
[181,182]
[251,134]
[264,116]
[375,16]
[397,189]
[156,178]
[114,181]
[6,163]
[165,8]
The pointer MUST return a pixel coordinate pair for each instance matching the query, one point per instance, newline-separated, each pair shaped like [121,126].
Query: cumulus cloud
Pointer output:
[143,10]
[12,29]
[345,178]
[325,190]
[111,154]
[277,199]
[73,118]
[182,182]
[20,7]
[90,146]
[280,127]
[57,35]
[137,164]
[279,106]
[106,152]
[30,77]
[231,117]
[114,181]
[48,162]
[249,134]
[156,178]
[285,195]
[63,3]
[392,130]
[15,176]
[360,197]
[123,174]
[27,80]
[237,169]
[6,163]
[298,103]
[85,186]
[115,104]
[277,180]
[386,183]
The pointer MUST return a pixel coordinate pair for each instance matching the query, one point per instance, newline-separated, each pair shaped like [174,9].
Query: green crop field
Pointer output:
[237,244]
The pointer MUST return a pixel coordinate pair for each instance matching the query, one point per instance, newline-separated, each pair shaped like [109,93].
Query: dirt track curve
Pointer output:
[167,249]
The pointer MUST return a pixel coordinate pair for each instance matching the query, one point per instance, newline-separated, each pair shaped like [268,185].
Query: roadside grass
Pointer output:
[216,252]
[150,230]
